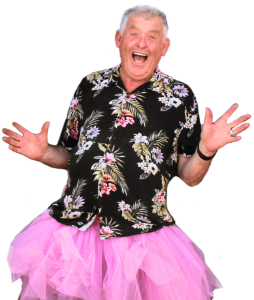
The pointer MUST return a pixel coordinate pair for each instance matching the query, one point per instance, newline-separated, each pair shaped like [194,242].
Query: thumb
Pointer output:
[44,129]
[208,116]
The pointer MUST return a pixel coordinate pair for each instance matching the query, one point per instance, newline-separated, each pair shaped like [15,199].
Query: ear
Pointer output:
[118,38]
[165,46]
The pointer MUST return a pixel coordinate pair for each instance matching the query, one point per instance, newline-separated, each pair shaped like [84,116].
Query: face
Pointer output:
[141,47]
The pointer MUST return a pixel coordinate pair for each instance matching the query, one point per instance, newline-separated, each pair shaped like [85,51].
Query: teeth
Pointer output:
[140,54]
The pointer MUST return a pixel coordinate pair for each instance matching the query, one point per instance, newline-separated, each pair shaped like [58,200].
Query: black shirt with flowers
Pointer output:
[124,149]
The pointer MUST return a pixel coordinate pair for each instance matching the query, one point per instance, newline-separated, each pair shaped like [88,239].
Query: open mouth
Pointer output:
[139,58]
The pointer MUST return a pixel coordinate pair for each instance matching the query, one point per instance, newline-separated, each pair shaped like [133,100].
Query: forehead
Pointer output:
[145,23]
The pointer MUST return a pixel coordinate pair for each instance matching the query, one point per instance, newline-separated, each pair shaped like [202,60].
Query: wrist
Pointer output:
[205,151]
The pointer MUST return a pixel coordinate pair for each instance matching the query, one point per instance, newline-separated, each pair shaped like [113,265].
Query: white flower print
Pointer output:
[124,206]
[87,145]
[180,90]
[175,101]
[78,203]
[74,215]
[153,168]
[92,132]
[157,155]
[140,139]
[142,164]
[162,99]
[67,200]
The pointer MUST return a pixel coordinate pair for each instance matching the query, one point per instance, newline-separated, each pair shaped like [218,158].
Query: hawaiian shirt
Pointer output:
[124,148]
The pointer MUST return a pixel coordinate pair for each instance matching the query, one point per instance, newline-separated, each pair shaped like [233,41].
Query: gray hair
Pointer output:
[148,11]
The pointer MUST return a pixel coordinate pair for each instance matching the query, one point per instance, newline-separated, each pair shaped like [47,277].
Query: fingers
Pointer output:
[235,139]
[11,142]
[15,149]
[241,128]
[240,120]
[20,128]
[229,112]
[12,134]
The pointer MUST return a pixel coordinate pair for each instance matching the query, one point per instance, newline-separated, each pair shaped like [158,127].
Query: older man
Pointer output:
[129,130]
[155,121]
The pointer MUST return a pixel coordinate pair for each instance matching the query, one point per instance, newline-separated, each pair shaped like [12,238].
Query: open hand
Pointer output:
[216,135]
[28,144]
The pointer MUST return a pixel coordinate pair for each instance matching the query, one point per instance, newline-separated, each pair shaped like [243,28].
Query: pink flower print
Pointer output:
[112,187]
[121,122]
[109,157]
[74,128]
[108,178]
[74,134]
[105,189]
[174,156]
[158,71]
[132,96]
[161,196]
[106,230]
[74,104]
[123,98]
[126,113]
[130,120]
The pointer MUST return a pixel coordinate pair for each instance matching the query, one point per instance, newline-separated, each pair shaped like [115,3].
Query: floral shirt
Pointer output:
[124,148]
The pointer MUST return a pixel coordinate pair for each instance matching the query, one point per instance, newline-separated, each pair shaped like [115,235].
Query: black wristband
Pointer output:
[201,155]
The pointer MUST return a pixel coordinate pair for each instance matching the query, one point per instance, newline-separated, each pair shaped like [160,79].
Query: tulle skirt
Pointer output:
[60,262]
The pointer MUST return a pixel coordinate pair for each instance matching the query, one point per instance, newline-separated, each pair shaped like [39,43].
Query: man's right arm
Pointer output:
[36,147]
[56,157]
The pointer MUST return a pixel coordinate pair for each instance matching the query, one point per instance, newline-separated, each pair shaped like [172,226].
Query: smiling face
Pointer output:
[141,47]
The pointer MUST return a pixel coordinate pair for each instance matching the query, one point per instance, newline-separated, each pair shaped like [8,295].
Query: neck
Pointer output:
[130,84]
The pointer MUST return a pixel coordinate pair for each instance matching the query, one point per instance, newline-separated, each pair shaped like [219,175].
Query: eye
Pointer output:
[133,34]
[152,37]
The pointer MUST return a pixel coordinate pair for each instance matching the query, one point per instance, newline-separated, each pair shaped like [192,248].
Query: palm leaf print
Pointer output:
[117,110]
[118,177]
[157,139]
[137,110]
[167,89]
[102,148]
[79,187]
[139,208]
[81,138]
[93,76]
[93,119]
[141,149]
[99,175]
[79,111]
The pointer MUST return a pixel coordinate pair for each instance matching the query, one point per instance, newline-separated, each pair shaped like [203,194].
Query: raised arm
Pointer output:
[36,147]
[213,137]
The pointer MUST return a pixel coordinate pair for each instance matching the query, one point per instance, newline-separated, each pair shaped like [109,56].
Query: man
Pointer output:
[145,36]
[155,135]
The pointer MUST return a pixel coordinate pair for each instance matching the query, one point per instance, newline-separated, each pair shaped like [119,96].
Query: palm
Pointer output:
[30,145]
[216,135]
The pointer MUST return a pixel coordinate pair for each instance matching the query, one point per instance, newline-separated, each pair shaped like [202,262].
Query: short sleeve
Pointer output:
[71,129]
[190,128]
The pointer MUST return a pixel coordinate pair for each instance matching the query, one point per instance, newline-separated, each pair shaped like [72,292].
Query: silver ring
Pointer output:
[232,134]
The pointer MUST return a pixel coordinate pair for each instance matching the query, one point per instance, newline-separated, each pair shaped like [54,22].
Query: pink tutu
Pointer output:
[60,262]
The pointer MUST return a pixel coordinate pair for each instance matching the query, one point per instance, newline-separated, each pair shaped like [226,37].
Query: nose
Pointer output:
[142,42]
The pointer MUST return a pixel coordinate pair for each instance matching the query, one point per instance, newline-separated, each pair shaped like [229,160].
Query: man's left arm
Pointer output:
[213,137]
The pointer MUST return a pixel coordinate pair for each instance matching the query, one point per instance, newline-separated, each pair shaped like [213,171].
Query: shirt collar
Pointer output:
[114,78]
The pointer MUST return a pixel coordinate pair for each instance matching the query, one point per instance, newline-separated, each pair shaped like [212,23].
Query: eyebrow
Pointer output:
[154,30]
